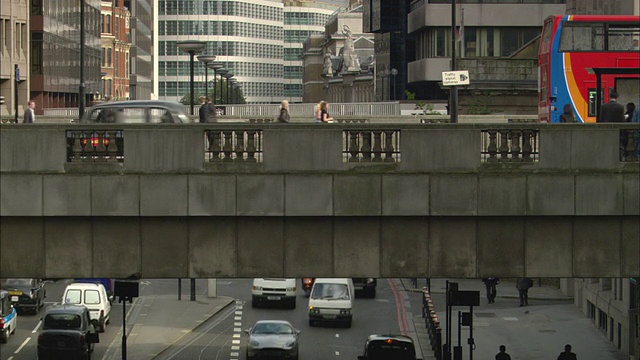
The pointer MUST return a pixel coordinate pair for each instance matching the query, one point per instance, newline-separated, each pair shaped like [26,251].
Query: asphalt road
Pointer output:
[223,337]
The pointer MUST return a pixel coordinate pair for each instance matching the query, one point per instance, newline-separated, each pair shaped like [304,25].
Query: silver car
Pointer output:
[275,339]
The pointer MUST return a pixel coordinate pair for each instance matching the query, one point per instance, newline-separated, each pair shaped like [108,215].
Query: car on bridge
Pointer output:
[94,297]
[26,294]
[67,333]
[136,112]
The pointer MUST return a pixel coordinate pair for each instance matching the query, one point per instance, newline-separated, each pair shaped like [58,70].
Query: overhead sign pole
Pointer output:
[15,91]
[453,96]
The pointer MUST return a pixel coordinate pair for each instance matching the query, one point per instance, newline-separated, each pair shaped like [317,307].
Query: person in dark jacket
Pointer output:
[204,109]
[567,354]
[490,284]
[567,114]
[612,111]
[523,285]
[502,355]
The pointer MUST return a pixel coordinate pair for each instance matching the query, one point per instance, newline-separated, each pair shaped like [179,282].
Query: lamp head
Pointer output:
[206,58]
[191,46]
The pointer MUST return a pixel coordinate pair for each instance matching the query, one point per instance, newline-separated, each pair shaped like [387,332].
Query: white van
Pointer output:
[331,300]
[94,297]
[270,290]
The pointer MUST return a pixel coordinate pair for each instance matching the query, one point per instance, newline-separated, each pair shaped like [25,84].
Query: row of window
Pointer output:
[599,37]
[478,41]
[13,30]
[292,54]
[232,28]
[225,48]
[233,8]
[303,18]
[249,89]
[240,69]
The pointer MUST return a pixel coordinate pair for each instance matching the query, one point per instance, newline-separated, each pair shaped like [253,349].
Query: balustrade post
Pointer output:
[527,149]
[112,148]
[366,146]
[228,145]
[504,145]
[515,145]
[214,144]
[251,146]
[78,146]
[353,148]
[240,145]
[377,146]
[492,149]
[389,145]
[101,150]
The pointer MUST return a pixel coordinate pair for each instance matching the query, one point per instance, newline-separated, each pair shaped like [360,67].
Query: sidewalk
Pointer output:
[162,320]
[506,289]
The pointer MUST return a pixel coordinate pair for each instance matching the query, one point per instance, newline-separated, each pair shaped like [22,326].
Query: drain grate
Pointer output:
[485,314]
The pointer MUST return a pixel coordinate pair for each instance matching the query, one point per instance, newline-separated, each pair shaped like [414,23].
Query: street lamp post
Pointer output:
[192,47]
[215,66]
[236,86]
[394,72]
[82,89]
[227,76]
[206,59]
[233,82]
[222,72]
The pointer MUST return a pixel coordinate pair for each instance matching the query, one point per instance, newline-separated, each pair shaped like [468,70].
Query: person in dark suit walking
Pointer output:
[523,285]
[612,111]
[29,113]
[567,354]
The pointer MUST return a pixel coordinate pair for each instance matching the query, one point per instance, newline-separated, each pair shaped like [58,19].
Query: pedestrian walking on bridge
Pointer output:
[502,355]
[567,354]
[523,285]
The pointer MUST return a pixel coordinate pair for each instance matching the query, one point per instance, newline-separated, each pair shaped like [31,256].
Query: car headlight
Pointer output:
[313,310]
[291,289]
[254,343]
[257,288]
[345,311]
[370,281]
[290,344]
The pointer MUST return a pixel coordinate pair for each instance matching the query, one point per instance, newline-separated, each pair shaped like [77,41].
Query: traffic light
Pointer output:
[1,99]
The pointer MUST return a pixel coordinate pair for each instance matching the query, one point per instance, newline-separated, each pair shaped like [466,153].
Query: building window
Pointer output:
[36,7]
[108,57]
[36,53]
[108,24]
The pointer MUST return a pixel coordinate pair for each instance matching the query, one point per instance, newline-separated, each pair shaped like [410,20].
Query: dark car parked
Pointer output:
[26,294]
[67,333]
[386,347]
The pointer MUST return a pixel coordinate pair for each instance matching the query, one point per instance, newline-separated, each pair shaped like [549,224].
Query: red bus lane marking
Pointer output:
[400,309]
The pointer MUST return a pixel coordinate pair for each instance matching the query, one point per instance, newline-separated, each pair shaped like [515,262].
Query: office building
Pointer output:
[141,64]
[14,52]
[116,43]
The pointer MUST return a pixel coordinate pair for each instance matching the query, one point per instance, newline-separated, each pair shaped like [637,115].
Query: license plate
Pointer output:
[273,297]
[329,316]
[14,298]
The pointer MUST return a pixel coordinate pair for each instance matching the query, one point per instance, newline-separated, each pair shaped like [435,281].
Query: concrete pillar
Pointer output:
[212,290]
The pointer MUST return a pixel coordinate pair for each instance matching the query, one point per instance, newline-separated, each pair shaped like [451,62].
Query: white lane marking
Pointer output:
[10,358]
[235,348]
[237,324]
[237,318]
[510,319]
[236,335]
[235,342]
[235,354]
[337,335]
[337,353]
[37,327]
[239,312]
[237,329]
[23,344]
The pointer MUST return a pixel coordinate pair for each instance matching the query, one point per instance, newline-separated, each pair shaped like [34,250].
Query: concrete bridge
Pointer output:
[245,200]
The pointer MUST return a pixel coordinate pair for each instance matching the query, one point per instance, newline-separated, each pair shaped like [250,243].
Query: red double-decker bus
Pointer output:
[576,50]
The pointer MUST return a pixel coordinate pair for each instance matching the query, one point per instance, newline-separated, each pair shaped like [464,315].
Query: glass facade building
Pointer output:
[141,51]
[55,51]
[258,41]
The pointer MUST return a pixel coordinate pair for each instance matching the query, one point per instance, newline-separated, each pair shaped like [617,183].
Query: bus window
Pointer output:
[582,37]
[621,37]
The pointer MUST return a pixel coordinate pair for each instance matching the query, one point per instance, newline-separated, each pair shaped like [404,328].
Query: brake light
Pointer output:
[1,323]
[101,313]
[389,341]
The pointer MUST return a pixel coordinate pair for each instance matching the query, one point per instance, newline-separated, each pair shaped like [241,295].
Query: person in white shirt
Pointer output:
[29,113]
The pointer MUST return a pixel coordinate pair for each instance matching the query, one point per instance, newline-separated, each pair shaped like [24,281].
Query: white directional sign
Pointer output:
[450,78]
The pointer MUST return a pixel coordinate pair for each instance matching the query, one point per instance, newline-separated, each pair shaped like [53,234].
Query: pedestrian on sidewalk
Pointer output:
[567,354]
[523,285]
[502,355]
[490,284]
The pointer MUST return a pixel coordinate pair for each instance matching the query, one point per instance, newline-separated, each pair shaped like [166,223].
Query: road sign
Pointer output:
[451,78]
[17,73]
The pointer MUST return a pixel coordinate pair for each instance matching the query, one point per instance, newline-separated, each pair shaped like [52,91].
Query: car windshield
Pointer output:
[383,350]
[61,321]
[272,329]
[23,284]
[330,291]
